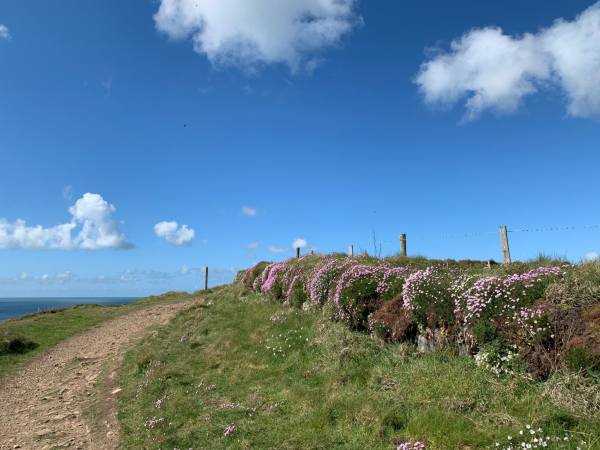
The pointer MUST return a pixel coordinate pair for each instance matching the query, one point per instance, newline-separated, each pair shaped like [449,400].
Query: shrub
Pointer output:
[259,281]
[296,295]
[498,306]
[249,276]
[427,297]
[323,279]
[392,322]
[274,283]
[13,344]
[356,295]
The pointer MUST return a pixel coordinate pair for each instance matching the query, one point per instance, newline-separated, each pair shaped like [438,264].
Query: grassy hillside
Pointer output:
[36,333]
[246,371]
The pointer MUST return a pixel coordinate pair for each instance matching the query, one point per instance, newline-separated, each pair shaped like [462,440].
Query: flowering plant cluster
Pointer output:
[272,278]
[411,446]
[427,296]
[530,438]
[491,303]
[356,294]
[399,303]
[500,360]
[323,278]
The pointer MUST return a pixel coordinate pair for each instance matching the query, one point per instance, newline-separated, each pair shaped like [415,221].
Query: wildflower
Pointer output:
[229,430]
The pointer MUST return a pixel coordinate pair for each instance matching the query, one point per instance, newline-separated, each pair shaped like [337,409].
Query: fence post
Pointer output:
[403,244]
[206,278]
[351,250]
[297,252]
[504,243]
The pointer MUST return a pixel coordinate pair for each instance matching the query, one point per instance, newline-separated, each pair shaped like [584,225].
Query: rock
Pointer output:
[116,391]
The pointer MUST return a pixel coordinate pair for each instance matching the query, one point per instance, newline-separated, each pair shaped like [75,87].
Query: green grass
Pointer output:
[302,382]
[49,328]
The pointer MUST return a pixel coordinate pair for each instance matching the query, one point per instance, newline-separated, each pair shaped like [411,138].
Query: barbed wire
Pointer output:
[560,228]
[476,234]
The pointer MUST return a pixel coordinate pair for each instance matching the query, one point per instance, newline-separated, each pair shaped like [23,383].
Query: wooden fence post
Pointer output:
[206,278]
[504,243]
[351,250]
[297,252]
[403,244]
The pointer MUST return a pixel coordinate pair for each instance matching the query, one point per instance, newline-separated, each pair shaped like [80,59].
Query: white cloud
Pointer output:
[591,256]
[494,71]
[249,33]
[299,243]
[92,220]
[4,33]
[247,211]
[99,229]
[184,270]
[274,249]
[174,234]
[253,245]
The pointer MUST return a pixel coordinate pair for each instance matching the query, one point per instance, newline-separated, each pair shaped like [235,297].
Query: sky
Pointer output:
[142,141]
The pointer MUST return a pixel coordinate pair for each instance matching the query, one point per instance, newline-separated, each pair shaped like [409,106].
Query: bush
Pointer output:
[392,322]
[273,283]
[296,295]
[503,306]
[323,279]
[250,275]
[356,295]
[427,297]
[11,344]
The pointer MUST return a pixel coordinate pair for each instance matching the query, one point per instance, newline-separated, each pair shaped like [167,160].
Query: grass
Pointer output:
[289,379]
[47,329]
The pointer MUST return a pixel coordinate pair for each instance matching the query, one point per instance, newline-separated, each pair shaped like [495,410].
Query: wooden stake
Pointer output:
[504,244]
[351,250]
[206,278]
[297,252]
[403,244]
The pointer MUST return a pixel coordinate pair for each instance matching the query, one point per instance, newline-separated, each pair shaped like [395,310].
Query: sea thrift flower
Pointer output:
[229,430]
[427,296]
[322,280]
[504,297]
[272,276]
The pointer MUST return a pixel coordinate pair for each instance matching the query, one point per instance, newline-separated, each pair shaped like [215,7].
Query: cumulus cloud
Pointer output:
[92,226]
[490,70]
[99,229]
[299,243]
[4,33]
[247,211]
[248,33]
[174,234]
[591,257]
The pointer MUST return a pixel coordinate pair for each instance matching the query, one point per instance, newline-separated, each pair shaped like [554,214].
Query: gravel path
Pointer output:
[66,398]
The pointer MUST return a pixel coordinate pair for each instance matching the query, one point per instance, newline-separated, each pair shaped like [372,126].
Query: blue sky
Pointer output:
[329,135]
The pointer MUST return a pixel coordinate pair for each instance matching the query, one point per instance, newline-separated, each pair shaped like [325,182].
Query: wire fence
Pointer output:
[375,246]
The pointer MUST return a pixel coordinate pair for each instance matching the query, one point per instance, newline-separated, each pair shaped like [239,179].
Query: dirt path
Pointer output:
[41,406]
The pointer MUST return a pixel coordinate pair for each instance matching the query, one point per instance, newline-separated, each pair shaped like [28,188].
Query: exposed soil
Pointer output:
[66,398]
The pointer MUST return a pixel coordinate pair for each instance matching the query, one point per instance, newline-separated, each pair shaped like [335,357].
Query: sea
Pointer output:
[15,307]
